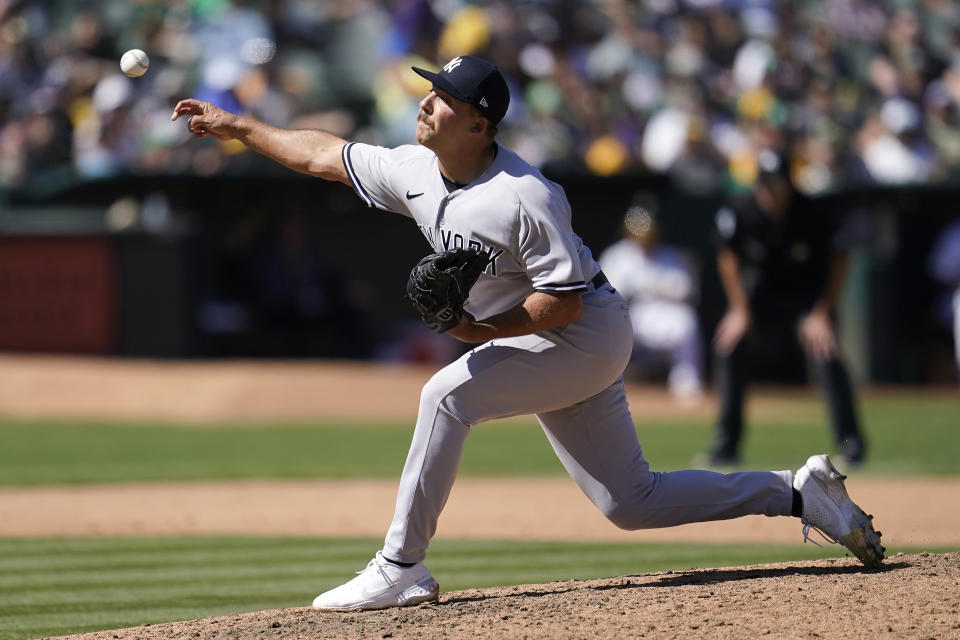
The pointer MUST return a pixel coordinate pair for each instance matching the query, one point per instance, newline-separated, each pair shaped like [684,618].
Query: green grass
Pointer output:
[908,435]
[59,587]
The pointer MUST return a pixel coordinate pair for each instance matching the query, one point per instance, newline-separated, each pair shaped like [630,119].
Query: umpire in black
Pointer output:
[779,267]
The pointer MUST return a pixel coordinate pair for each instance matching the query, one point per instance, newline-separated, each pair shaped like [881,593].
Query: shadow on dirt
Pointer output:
[717,576]
[679,579]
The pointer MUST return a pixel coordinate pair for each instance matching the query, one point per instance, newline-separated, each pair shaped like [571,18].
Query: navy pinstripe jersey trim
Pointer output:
[567,286]
[355,181]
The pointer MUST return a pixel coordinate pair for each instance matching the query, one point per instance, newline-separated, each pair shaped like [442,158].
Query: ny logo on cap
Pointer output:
[453,64]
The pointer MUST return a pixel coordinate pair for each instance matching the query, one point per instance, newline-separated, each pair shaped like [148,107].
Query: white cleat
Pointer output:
[381,585]
[828,509]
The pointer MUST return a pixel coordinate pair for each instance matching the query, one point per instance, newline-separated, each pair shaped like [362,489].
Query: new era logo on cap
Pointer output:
[473,80]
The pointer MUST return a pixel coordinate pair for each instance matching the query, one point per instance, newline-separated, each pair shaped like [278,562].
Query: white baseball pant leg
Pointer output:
[956,326]
[571,378]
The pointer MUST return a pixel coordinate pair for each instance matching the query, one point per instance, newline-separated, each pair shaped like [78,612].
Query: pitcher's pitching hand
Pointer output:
[205,119]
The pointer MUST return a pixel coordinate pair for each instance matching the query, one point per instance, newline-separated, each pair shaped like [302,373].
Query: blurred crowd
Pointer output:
[852,91]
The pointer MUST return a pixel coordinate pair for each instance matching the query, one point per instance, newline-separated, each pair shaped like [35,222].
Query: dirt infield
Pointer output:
[908,510]
[257,390]
[228,390]
[910,597]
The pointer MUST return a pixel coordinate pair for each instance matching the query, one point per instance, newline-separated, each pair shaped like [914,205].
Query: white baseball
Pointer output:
[134,63]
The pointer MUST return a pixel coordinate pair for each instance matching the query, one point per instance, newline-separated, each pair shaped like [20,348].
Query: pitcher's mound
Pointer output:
[912,596]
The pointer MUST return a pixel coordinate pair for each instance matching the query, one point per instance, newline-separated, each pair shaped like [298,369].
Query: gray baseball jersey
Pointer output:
[569,377]
[511,212]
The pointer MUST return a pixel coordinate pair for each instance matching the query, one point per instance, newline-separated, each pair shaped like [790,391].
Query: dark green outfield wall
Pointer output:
[172,283]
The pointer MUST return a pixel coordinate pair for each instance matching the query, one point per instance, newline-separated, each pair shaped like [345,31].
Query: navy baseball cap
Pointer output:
[473,80]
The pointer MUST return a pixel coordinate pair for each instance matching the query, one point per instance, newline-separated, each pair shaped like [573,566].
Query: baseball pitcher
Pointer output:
[553,336]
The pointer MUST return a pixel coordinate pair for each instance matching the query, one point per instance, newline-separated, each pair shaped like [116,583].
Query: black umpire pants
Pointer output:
[731,381]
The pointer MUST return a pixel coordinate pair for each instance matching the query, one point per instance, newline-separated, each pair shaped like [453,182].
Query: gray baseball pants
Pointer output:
[571,378]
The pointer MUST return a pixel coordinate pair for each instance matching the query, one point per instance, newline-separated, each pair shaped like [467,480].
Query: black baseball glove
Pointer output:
[440,283]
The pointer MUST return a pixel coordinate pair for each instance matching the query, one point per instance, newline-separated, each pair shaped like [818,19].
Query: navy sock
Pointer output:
[797,509]
[398,563]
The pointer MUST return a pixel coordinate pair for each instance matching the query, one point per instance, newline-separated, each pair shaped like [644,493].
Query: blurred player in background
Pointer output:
[783,270]
[944,266]
[659,284]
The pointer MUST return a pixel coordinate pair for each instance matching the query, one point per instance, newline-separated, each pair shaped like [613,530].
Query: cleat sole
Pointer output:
[864,542]
[858,541]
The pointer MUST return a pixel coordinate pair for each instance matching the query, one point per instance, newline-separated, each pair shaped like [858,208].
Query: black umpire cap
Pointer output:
[475,81]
